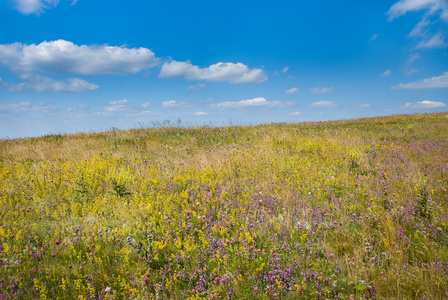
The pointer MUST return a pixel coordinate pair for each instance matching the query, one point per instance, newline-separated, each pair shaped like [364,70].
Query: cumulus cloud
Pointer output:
[174,103]
[363,105]
[255,102]
[423,104]
[15,107]
[65,57]
[37,7]
[294,90]
[285,69]
[195,87]
[77,109]
[117,106]
[323,90]
[45,107]
[234,73]
[386,73]
[435,42]
[200,113]
[123,108]
[41,84]
[295,113]
[324,104]
[428,83]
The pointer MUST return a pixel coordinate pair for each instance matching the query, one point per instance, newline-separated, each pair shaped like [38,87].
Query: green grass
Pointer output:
[277,211]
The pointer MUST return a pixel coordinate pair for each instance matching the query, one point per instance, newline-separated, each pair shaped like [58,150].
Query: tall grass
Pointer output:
[342,209]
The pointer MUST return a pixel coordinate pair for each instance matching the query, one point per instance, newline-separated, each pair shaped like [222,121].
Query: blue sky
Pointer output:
[75,65]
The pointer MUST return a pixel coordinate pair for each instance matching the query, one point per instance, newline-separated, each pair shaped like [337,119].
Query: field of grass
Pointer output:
[347,209]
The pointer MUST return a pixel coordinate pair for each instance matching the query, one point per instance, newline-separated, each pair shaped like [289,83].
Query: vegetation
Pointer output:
[348,209]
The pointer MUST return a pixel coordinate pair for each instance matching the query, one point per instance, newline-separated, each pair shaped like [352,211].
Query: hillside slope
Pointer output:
[288,211]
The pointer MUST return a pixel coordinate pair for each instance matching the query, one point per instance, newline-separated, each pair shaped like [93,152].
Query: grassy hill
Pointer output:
[279,211]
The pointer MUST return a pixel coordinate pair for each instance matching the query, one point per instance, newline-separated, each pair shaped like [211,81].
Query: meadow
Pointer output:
[353,209]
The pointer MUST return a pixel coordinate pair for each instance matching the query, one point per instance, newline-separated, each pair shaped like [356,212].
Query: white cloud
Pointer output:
[45,107]
[123,108]
[294,90]
[117,106]
[79,108]
[413,57]
[323,90]
[119,102]
[324,104]
[432,6]
[423,104]
[285,69]
[419,28]
[437,8]
[234,73]
[435,42]
[37,7]
[174,103]
[295,113]
[200,113]
[363,105]
[409,72]
[195,87]
[386,73]
[428,83]
[62,56]
[41,84]
[374,37]
[255,102]
[144,113]
[3,84]
[15,107]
